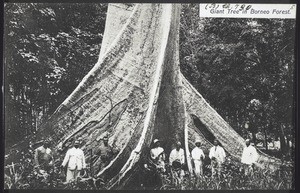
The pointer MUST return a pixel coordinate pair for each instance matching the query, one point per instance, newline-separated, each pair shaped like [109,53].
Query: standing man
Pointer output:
[217,156]
[76,162]
[249,157]
[158,156]
[106,152]
[177,155]
[177,159]
[198,157]
[43,157]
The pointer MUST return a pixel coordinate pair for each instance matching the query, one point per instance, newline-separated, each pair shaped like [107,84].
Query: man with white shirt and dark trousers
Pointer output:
[249,157]
[217,156]
[177,155]
[76,162]
[198,157]
[177,160]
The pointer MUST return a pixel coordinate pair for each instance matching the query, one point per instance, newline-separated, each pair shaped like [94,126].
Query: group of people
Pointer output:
[216,155]
[74,161]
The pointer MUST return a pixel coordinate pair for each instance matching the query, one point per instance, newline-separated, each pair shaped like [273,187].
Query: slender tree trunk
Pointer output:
[282,141]
[266,139]
[254,137]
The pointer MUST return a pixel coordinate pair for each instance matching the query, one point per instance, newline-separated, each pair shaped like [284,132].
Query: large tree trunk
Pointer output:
[136,92]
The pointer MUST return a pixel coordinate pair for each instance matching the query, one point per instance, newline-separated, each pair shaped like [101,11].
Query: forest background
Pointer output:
[245,68]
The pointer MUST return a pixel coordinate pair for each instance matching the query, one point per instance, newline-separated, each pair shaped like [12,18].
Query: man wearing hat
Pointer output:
[105,152]
[177,159]
[198,157]
[217,156]
[43,156]
[157,155]
[76,162]
[177,155]
[249,157]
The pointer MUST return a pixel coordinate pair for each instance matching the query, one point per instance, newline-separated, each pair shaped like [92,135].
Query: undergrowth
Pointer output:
[23,175]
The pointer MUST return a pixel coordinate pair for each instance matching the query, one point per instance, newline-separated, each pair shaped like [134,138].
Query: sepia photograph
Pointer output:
[156,96]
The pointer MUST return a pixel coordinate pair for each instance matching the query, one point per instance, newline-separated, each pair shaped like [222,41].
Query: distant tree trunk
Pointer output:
[266,139]
[293,139]
[293,145]
[254,137]
[283,145]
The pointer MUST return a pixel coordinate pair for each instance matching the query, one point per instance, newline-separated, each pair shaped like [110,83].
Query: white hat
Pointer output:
[155,141]
[198,141]
[76,142]
[247,140]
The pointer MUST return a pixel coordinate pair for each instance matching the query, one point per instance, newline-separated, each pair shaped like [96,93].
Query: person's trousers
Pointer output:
[198,167]
[161,166]
[72,175]
[216,168]
[248,169]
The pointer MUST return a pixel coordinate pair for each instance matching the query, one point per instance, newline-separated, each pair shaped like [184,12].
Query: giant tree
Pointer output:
[136,92]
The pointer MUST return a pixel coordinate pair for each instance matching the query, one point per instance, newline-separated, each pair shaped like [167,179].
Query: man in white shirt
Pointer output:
[177,155]
[217,156]
[249,157]
[157,154]
[198,157]
[177,159]
[76,162]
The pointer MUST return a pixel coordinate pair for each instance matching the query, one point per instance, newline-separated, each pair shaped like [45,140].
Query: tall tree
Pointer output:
[136,92]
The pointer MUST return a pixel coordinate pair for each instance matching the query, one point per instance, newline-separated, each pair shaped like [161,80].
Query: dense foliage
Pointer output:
[49,48]
[23,175]
[233,178]
[245,68]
